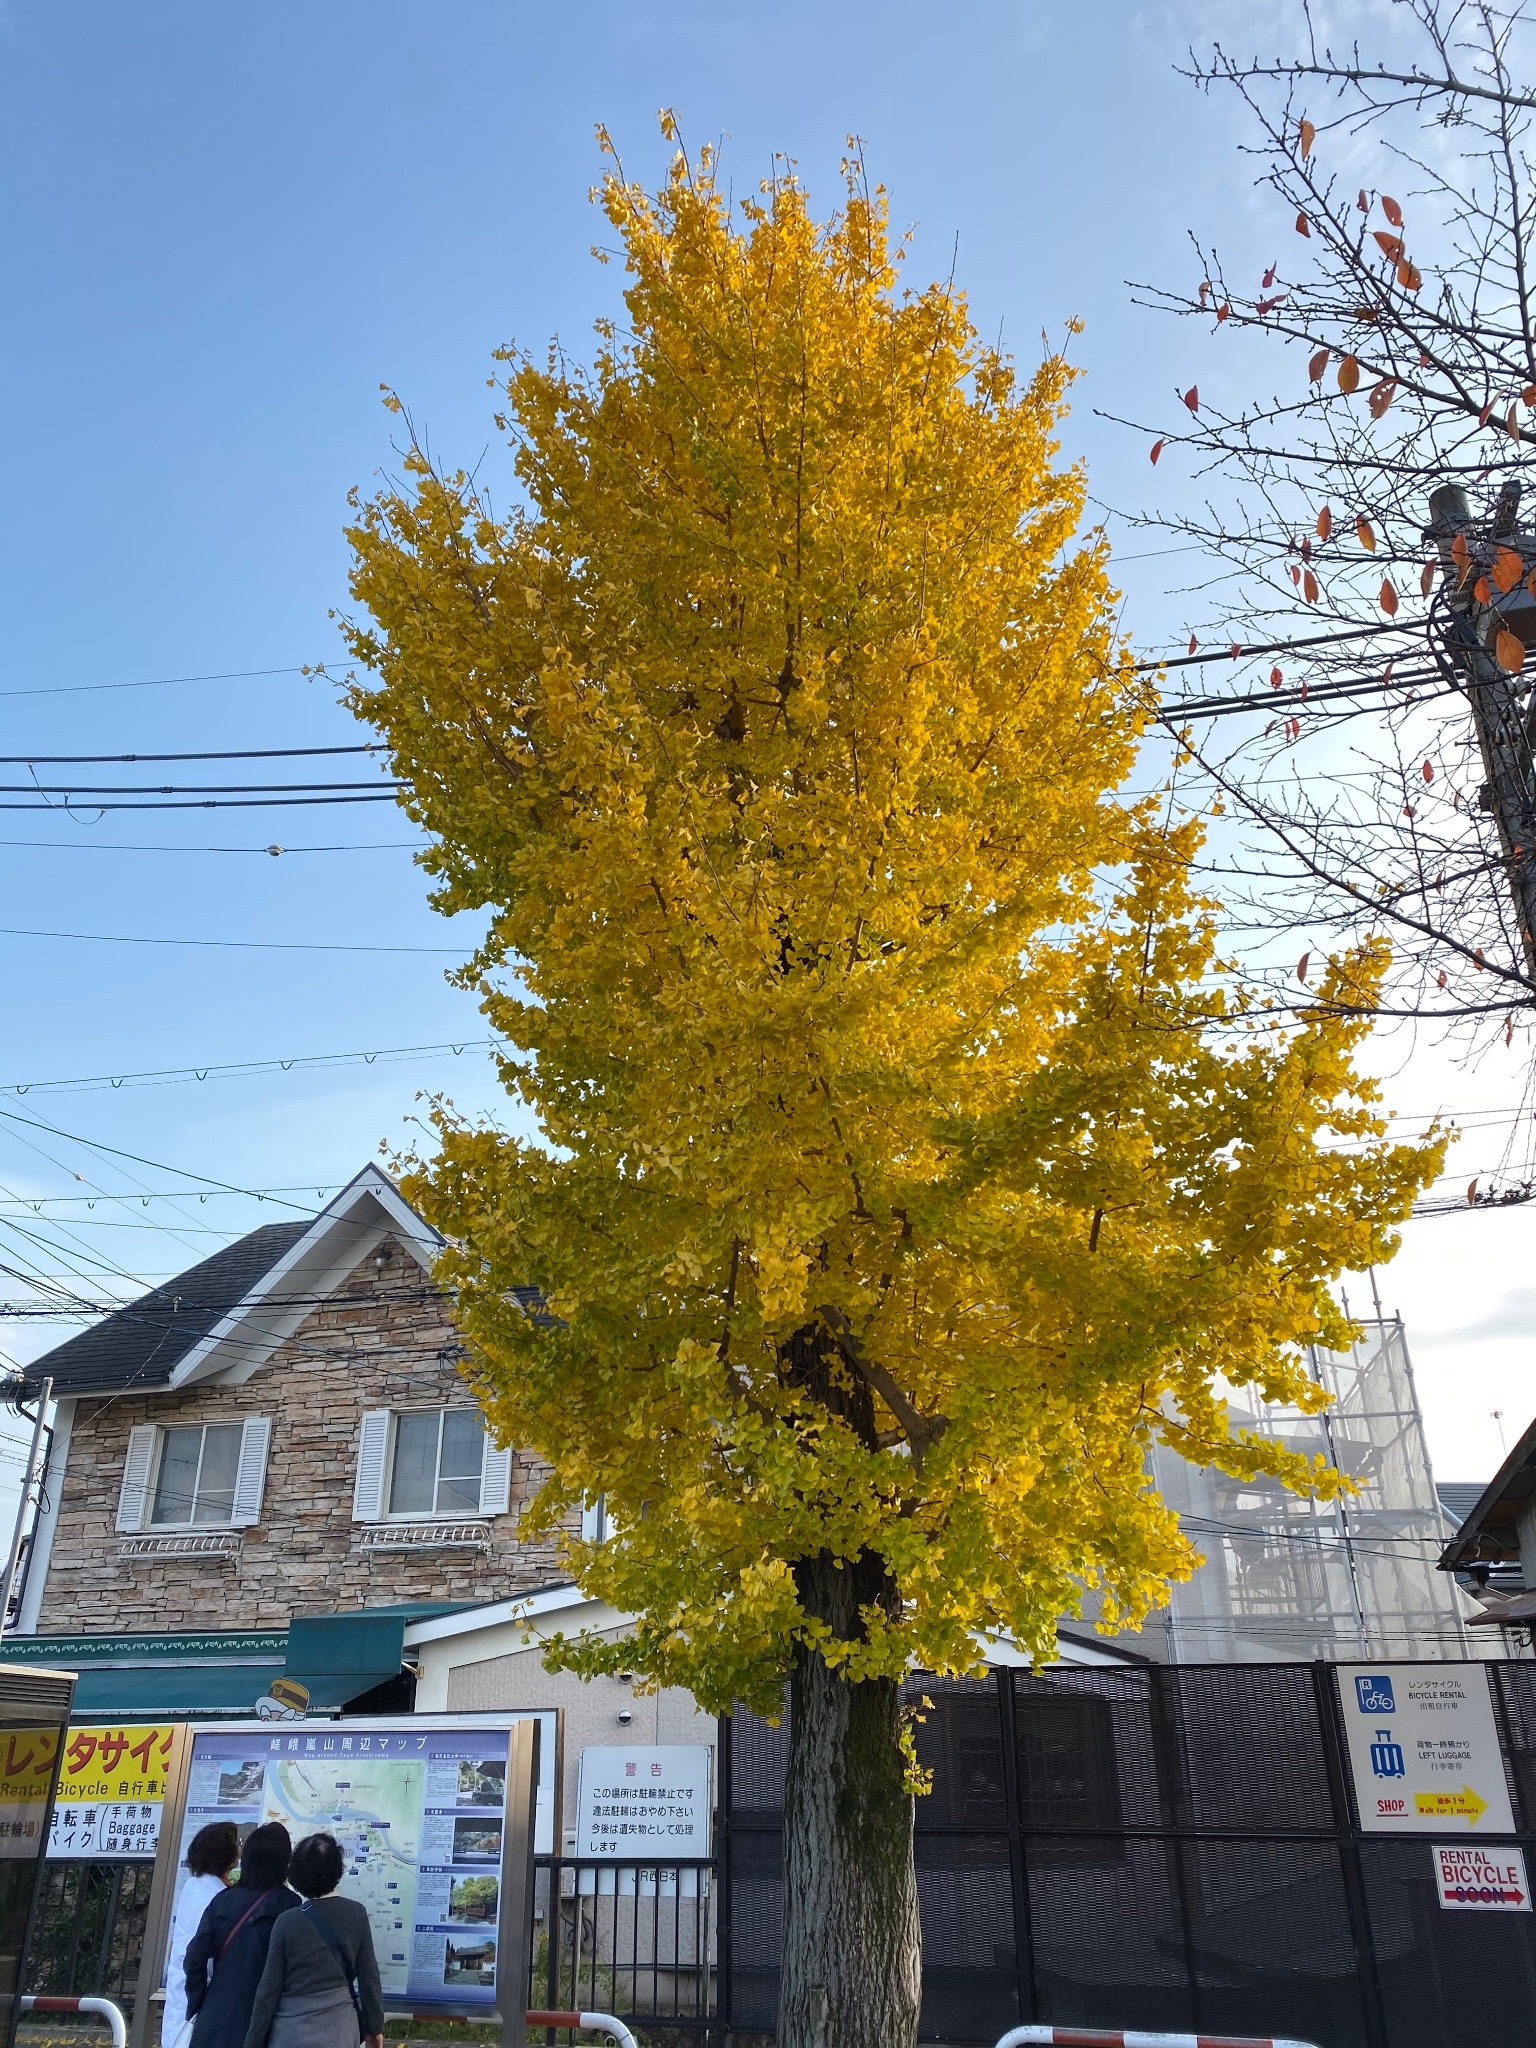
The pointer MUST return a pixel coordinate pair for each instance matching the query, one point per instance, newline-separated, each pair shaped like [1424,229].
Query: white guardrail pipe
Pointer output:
[103,2008]
[1094,2037]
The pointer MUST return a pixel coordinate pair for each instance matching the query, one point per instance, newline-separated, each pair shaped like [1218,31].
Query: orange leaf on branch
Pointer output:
[1301,225]
[1349,376]
[1318,364]
[1382,397]
[1365,533]
[1509,651]
[1409,275]
[1223,312]
[1309,587]
[1157,449]
[1390,245]
[1426,579]
[1482,590]
[1308,135]
[1324,523]
[1507,569]
[1392,210]
[1192,398]
[1528,395]
[1388,597]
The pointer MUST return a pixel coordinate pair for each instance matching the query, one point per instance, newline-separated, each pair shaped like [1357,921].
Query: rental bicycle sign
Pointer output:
[1424,1750]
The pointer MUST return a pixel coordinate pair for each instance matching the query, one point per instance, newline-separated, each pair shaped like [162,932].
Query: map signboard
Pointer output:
[1424,1750]
[418,1808]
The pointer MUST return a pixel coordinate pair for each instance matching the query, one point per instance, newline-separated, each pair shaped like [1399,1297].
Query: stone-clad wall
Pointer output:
[384,1340]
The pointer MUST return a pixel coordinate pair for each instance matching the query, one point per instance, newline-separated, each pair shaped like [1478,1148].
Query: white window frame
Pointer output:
[141,1475]
[376,1470]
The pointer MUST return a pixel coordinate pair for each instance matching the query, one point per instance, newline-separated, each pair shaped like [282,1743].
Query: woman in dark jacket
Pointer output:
[305,1997]
[226,1956]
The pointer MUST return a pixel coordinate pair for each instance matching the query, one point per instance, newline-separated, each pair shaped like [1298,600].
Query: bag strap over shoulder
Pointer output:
[241,1922]
[327,1934]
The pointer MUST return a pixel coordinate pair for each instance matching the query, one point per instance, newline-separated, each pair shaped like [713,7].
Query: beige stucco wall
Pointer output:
[383,1340]
[588,1708]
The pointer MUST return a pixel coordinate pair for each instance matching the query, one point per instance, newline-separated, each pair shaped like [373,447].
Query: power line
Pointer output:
[240,754]
[94,1145]
[163,1076]
[1234,651]
[83,789]
[230,675]
[133,846]
[241,945]
[245,803]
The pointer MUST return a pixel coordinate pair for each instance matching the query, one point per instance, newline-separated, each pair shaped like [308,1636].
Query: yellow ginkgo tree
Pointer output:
[902,1175]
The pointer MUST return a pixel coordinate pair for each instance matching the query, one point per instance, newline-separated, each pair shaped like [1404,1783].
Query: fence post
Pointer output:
[724,1795]
[1013,1808]
[1373,2010]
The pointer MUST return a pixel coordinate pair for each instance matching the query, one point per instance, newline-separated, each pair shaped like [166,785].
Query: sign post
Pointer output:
[514,1932]
[162,1884]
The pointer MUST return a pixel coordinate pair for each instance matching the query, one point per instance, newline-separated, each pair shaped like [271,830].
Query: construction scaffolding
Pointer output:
[1289,1578]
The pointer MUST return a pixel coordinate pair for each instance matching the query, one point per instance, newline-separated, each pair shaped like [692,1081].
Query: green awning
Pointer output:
[339,1657]
[150,1690]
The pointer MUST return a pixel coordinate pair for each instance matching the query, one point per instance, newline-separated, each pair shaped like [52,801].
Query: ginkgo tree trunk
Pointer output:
[901,1170]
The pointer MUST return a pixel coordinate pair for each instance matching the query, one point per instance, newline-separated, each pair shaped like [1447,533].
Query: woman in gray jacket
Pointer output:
[304,1999]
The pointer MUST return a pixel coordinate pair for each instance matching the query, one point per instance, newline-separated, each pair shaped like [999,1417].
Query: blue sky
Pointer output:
[226,228]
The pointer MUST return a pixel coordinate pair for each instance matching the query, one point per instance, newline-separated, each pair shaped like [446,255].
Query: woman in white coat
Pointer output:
[212,1854]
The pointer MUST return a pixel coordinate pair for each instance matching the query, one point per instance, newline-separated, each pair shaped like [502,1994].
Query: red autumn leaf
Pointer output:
[1472,1191]
[1477,958]
[1308,135]
[1392,210]
[1528,395]
[1409,275]
[1382,397]
[1193,643]
[1461,555]
[1275,679]
[1295,575]
[1426,579]
[1481,591]
[1389,245]
[1324,523]
[1509,1029]
[1301,225]
[1509,652]
[1301,966]
[1508,569]
[1362,202]
[1192,398]
[1318,364]
[1157,449]
[1235,650]
[1388,597]
[1512,423]
[1482,418]
[1268,278]
[1349,376]
[1440,979]
[1223,312]
[1268,305]
[1304,689]
[1309,587]
[1365,533]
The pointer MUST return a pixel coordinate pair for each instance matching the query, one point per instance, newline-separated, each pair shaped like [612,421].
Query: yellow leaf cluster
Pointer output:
[779,730]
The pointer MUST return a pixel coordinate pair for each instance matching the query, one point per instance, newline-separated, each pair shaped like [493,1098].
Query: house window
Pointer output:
[435,1466]
[199,1475]
[196,1477]
[420,1464]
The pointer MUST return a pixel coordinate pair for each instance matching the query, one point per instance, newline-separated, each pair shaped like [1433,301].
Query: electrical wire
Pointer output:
[208,803]
[133,846]
[239,945]
[241,754]
[164,1076]
[229,675]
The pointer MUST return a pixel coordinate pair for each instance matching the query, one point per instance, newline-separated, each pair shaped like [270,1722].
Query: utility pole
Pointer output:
[1504,731]
[33,1461]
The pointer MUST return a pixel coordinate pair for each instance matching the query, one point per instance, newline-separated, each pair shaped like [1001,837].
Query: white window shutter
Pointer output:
[132,1502]
[594,1520]
[251,1478]
[495,1479]
[372,1452]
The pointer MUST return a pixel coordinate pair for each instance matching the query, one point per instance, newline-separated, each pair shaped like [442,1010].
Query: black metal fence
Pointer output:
[1162,1847]
[88,1930]
[638,1939]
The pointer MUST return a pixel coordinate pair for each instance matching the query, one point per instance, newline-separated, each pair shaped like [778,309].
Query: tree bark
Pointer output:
[852,1946]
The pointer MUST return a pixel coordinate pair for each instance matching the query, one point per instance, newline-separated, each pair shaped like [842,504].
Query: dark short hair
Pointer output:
[318,1866]
[214,1850]
[268,1852]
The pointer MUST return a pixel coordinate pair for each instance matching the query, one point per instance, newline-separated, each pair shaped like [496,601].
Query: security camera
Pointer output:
[624,1717]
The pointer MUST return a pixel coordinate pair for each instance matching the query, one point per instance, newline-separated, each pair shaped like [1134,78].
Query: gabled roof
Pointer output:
[1488,1532]
[225,1316]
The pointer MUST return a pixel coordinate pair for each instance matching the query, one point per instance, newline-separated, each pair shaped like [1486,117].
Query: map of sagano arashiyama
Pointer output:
[373,1808]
